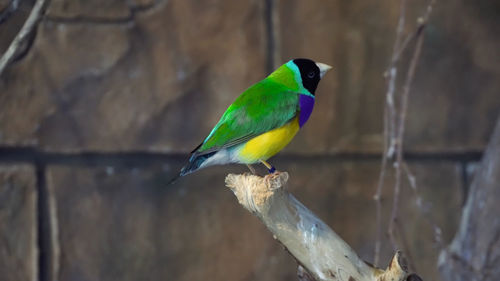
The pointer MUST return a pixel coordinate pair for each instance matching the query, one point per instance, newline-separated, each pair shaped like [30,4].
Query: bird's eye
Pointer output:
[311,74]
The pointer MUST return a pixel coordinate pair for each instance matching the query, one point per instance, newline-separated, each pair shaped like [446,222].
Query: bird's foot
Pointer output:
[275,180]
[271,170]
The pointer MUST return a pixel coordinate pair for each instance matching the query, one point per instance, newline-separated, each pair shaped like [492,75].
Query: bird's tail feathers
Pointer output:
[174,179]
[195,162]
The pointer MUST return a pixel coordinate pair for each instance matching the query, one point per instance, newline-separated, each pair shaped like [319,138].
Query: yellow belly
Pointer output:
[268,144]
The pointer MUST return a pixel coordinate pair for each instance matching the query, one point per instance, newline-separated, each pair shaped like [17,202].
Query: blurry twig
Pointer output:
[8,10]
[419,200]
[406,246]
[393,123]
[400,133]
[422,22]
[23,34]
[389,114]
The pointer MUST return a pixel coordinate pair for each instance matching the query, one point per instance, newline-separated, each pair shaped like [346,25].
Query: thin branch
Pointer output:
[393,73]
[402,118]
[378,200]
[8,10]
[422,21]
[425,213]
[23,34]
[389,131]
[406,246]
[393,124]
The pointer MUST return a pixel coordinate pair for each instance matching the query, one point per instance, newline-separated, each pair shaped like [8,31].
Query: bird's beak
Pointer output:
[323,68]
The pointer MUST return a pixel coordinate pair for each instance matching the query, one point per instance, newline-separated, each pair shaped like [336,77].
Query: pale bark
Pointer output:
[313,244]
[24,33]
[474,253]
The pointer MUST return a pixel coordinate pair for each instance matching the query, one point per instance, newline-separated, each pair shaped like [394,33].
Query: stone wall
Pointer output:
[101,109]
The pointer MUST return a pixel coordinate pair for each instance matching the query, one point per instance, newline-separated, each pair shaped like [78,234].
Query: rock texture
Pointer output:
[18,224]
[356,38]
[195,229]
[157,75]
[150,231]
[455,85]
[457,79]
[151,83]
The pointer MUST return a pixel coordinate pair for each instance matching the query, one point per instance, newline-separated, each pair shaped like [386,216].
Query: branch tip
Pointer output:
[254,191]
[397,269]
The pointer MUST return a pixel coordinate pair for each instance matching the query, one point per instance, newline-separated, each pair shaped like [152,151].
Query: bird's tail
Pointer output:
[193,165]
[195,162]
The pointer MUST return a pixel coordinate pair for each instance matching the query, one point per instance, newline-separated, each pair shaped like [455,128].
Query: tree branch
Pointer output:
[400,134]
[394,124]
[314,245]
[474,253]
[8,10]
[389,125]
[23,34]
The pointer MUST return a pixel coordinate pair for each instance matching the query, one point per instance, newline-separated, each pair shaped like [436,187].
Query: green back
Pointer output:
[264,106]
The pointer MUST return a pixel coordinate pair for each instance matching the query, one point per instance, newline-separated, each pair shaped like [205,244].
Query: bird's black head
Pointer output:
[309,72]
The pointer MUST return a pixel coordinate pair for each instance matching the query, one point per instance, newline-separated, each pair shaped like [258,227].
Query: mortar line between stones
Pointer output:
[142,158]
[44,231]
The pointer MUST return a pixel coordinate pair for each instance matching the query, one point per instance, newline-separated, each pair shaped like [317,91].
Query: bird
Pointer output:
[262,120]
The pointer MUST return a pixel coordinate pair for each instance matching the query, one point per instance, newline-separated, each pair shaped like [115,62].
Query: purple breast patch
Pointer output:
[306,104]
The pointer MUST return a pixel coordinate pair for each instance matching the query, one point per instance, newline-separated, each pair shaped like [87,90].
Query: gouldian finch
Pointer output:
[263,119]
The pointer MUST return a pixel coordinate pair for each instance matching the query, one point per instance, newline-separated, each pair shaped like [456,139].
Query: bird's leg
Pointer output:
[252,170]
[269,167]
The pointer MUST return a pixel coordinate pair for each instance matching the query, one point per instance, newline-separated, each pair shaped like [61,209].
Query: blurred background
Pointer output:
[103,103]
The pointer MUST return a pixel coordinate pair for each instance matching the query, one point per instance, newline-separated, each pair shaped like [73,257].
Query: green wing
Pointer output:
[264,106]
